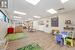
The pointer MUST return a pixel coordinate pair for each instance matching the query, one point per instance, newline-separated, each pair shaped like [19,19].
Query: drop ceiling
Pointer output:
[41,8]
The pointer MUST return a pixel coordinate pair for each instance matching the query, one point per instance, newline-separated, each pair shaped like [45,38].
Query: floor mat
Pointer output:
[33,46]
[16,36]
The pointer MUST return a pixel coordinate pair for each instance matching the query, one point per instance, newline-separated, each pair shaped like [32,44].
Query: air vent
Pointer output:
[61,9]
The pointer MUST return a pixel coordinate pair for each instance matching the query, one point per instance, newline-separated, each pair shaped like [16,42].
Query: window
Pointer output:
[3,17]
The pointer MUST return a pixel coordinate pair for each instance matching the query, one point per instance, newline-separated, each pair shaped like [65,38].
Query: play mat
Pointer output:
[16,36]
[32,46]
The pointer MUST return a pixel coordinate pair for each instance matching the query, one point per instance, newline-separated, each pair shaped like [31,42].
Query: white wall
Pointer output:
[42,27]
[62,17]
[66,16]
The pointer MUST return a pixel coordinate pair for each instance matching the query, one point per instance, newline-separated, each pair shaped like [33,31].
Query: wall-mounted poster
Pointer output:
[47,25]
[54,22]
[67,21]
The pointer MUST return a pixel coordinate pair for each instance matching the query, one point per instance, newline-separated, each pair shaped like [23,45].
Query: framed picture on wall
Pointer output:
[3,3]
[54,22]
[67,21]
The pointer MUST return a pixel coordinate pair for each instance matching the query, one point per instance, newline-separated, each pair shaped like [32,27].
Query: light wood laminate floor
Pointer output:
[45,40]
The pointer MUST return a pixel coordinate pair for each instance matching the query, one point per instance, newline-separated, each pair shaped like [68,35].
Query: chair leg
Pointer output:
[72,43]
[60,43]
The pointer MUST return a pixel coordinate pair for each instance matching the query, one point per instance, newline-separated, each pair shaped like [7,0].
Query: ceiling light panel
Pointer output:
[33,2]
[52,11]
[16,17]
[21,13]
[29,19]
[36,16]
[64,1]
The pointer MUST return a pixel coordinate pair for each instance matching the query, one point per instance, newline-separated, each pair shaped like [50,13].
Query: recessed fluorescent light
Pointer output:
[16,17]
[33,2]
[29,19]
[36,16]
[26,20]
[64,1]
[21,13]
[52,11]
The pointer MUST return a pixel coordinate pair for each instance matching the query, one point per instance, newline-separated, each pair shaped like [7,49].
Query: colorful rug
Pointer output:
[33,46]
[16,36]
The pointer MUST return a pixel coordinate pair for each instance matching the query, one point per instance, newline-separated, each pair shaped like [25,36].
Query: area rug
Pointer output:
[16,36]
[32,46]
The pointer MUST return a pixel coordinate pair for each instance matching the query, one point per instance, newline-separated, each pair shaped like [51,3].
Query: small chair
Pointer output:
[69,41]
[64,34]
[59,39]
[54,32]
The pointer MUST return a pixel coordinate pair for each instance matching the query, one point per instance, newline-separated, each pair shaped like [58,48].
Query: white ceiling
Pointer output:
[40,8]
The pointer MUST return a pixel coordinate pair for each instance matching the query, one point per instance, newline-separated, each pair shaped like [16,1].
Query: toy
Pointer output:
[10,30]
[69,41]
[59,39]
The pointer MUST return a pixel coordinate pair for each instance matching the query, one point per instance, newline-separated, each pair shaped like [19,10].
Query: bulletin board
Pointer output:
[54,22]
